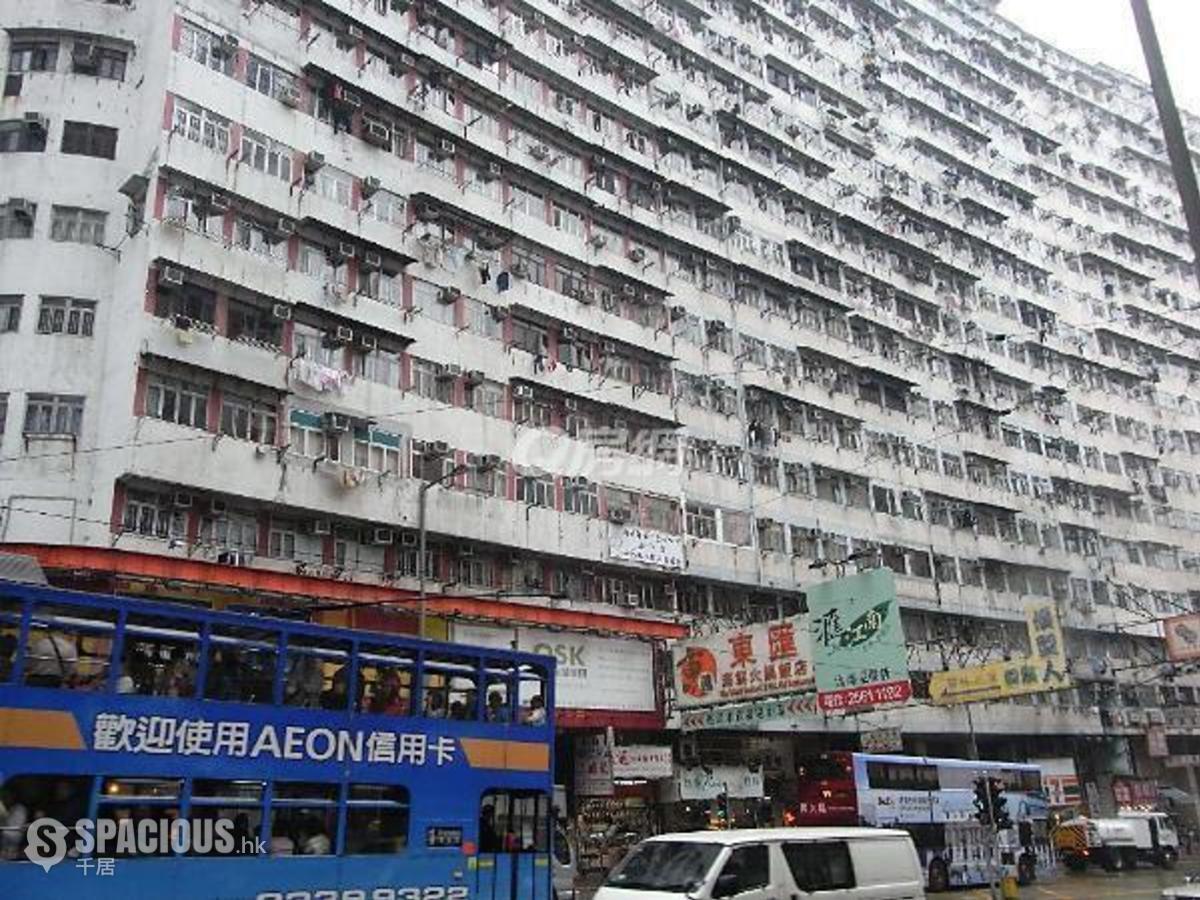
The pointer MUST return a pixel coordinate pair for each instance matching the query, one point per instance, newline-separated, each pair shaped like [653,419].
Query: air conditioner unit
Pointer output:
[356,33]
[633,600]
[637,255]
[628,290]
[217,507]
[345,250]
[343,334]
[372,260]
[490,461]
[371,186]
[382,536]
[492,172]
[378,135]
[448,372]
[35,121]
[285,227]
[171,276]
[336,423]
[409,539]
[475,376]
[347,97]
[281,311]
[566,334]
[539,152]
[322,526]
[437,448]
[407,59]
[523,391]
[314,162]
[229,44]
[570,404]
[367,342]
[618,515]
[218,203]
[289,95]
[182,500]
[446,147]
[448,295]
[233,558]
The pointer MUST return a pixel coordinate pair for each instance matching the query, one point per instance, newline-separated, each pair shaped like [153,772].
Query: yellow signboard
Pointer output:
[1045,670]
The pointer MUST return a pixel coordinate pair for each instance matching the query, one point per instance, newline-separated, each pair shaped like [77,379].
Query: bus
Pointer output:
[347,765]
[934,800]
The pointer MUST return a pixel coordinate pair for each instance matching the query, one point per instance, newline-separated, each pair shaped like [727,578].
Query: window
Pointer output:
[240,801]
[247,420]
[747,869]
[86,139]
[820,866]
[16,219]
[377,451]
[580,497]
[336,185]
[536,490]
[3,412]
[303,819]
[198,124]
[254,325]
[153,515]
[514,821]
[72,224]
[10,314]
[376,819]
[32,56]
[268,79]
[53,415]
[103,62]
[173,400]
[379,366]
[18,136]
[66,315]
[206,48]
[701,522]
[266,155]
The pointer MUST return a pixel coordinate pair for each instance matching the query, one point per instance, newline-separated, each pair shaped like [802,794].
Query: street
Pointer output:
[1143,884]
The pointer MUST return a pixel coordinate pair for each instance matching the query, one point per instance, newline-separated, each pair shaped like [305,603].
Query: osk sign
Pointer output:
[591,673]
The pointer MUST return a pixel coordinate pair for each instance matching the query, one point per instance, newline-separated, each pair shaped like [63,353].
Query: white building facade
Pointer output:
[687,303]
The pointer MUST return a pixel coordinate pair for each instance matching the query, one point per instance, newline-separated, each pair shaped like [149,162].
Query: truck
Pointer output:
[1119,842]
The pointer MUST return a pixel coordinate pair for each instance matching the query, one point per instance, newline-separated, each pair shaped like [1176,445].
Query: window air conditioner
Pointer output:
[314,162]
[182,500]
[281,311]
[345,250]
[372,260]
[382,536]
[371,186]
[322,526]
[367,342]
[336,423]
[170,276]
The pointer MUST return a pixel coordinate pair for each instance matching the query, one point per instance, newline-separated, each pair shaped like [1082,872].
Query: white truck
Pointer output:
[1120,842]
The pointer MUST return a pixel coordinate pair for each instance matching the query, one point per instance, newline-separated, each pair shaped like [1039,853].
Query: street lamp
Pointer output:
[489,464]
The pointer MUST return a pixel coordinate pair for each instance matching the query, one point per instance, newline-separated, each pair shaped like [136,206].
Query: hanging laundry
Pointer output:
[503,282]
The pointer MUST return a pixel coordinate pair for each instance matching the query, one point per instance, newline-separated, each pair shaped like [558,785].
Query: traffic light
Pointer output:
[1000,814]
[991,807]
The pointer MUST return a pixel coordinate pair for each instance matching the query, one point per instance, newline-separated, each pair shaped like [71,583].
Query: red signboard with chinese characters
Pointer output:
[757,661]
[1135,792]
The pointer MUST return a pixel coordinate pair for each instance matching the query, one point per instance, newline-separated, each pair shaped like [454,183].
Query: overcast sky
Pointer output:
[1103,31]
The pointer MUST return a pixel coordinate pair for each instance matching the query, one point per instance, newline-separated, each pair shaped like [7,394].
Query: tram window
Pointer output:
[159,656]
[311,668]
[303,819]
[532,695]
[25,798]
[140,800]
[385,681]
[499,678]
[452,687]
[69,646]
[238,801]
[514,822]
[10,631]
[376,819]
[241,664]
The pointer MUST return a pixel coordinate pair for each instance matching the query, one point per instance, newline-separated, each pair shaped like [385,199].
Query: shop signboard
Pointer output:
[709,782]
[882,740]
[642,761]
[858,644]
[1135,792]
[1059,780]
[593,767]
[1183,637]
[646,546]
[592,672]
[1045,670]
[763,660]
[748,716]
[1156,741]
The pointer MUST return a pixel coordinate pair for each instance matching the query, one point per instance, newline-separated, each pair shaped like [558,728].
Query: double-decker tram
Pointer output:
[339,764]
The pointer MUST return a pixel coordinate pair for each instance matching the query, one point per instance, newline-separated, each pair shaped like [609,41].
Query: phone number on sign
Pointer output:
[871,695]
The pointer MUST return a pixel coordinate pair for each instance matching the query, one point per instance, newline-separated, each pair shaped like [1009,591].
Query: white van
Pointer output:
[768,863]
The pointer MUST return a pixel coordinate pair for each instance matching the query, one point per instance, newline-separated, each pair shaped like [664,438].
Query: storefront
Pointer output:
[721,796]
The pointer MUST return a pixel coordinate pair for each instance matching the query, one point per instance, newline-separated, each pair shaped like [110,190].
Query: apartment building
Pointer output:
[681,305]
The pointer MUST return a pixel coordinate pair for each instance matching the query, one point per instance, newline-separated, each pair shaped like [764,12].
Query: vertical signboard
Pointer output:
[859,654]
